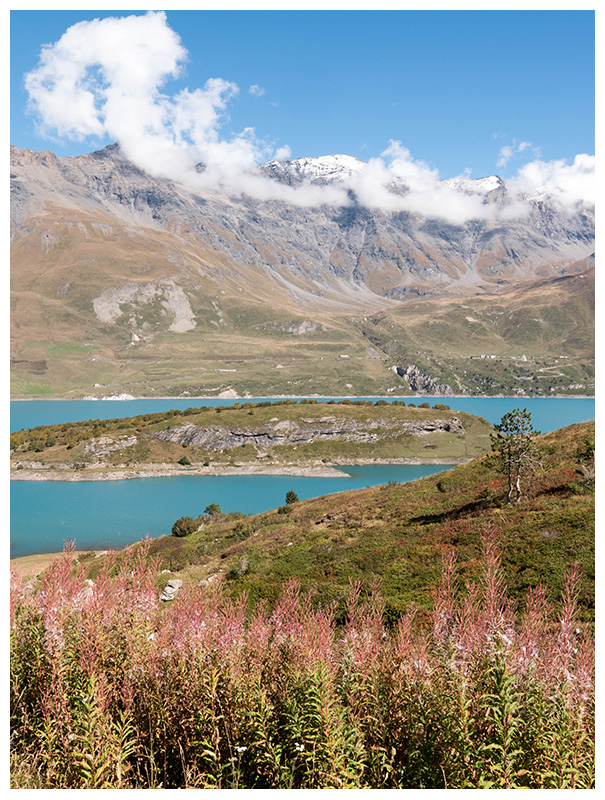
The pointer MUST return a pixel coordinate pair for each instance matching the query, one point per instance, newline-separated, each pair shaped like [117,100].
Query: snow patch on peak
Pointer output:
[320,169]
[483,186]
[326,165]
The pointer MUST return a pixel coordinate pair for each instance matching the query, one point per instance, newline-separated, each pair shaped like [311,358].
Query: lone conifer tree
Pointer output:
[515,449]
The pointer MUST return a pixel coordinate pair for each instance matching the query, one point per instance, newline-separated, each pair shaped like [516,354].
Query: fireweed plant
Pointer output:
[110,688]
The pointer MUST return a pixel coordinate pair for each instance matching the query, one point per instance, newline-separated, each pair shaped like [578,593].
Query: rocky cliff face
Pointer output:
[287,432]
[421,383]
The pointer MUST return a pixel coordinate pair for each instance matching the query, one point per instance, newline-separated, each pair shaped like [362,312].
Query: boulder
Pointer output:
[171,589]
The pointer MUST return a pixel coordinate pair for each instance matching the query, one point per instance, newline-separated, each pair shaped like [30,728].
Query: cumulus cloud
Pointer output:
[105,78]
[109,78]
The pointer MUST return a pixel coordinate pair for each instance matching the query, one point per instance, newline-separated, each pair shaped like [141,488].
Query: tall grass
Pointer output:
[110,688]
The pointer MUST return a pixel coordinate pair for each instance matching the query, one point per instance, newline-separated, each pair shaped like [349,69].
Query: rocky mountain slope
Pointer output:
[144,270]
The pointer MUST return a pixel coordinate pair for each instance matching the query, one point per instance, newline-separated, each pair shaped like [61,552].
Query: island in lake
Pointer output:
[285,437]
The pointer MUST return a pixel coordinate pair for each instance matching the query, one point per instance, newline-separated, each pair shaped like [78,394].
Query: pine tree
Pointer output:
[515,450]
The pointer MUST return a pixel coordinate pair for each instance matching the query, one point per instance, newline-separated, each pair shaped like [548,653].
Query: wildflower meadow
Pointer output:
[112,688]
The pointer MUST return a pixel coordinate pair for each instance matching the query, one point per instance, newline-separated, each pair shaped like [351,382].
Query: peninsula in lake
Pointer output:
[283,437]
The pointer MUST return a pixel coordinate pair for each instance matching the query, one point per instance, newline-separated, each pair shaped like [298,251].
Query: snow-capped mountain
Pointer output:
[350,253]
[322,170]
[480,186]
[134,274]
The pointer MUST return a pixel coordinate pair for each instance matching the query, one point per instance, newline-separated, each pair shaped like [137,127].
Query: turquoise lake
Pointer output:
[115,513]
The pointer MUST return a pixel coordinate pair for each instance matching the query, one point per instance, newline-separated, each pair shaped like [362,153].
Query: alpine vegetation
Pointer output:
[113,688]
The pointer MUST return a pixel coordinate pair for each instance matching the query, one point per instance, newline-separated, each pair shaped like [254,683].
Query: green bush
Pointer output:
[184,461]
[184,527]
[241,530]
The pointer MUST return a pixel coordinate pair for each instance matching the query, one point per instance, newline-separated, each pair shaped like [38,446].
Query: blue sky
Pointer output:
[461,90]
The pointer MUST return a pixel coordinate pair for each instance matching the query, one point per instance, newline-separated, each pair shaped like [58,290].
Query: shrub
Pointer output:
[241,530]
[212,509]
[184,526]
[291,497]
[184,461]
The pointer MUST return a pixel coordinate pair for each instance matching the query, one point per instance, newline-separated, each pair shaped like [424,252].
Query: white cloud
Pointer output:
[504,156]
[570,184]
[512,151]
[283,153]
[105,78]
[82,81]
[108,78]
[421,191]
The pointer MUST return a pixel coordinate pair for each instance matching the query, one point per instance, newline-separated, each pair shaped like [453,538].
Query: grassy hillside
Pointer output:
[540,337]
[246,321]
[398,533]
[254,337]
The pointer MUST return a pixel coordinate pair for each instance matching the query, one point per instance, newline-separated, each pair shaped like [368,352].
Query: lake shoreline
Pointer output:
[169,471]
[408,397]
[31,566]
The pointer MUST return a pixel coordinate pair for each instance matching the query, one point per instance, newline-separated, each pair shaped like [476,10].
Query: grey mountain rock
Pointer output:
[345,254]
[216,437]
[419,382]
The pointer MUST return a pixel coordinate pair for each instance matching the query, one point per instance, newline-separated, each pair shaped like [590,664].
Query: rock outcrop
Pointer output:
[171,589]
[423,384]
[287,432]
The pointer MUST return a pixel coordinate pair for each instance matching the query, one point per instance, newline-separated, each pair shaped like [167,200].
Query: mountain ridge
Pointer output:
[106,178]
[107,256]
